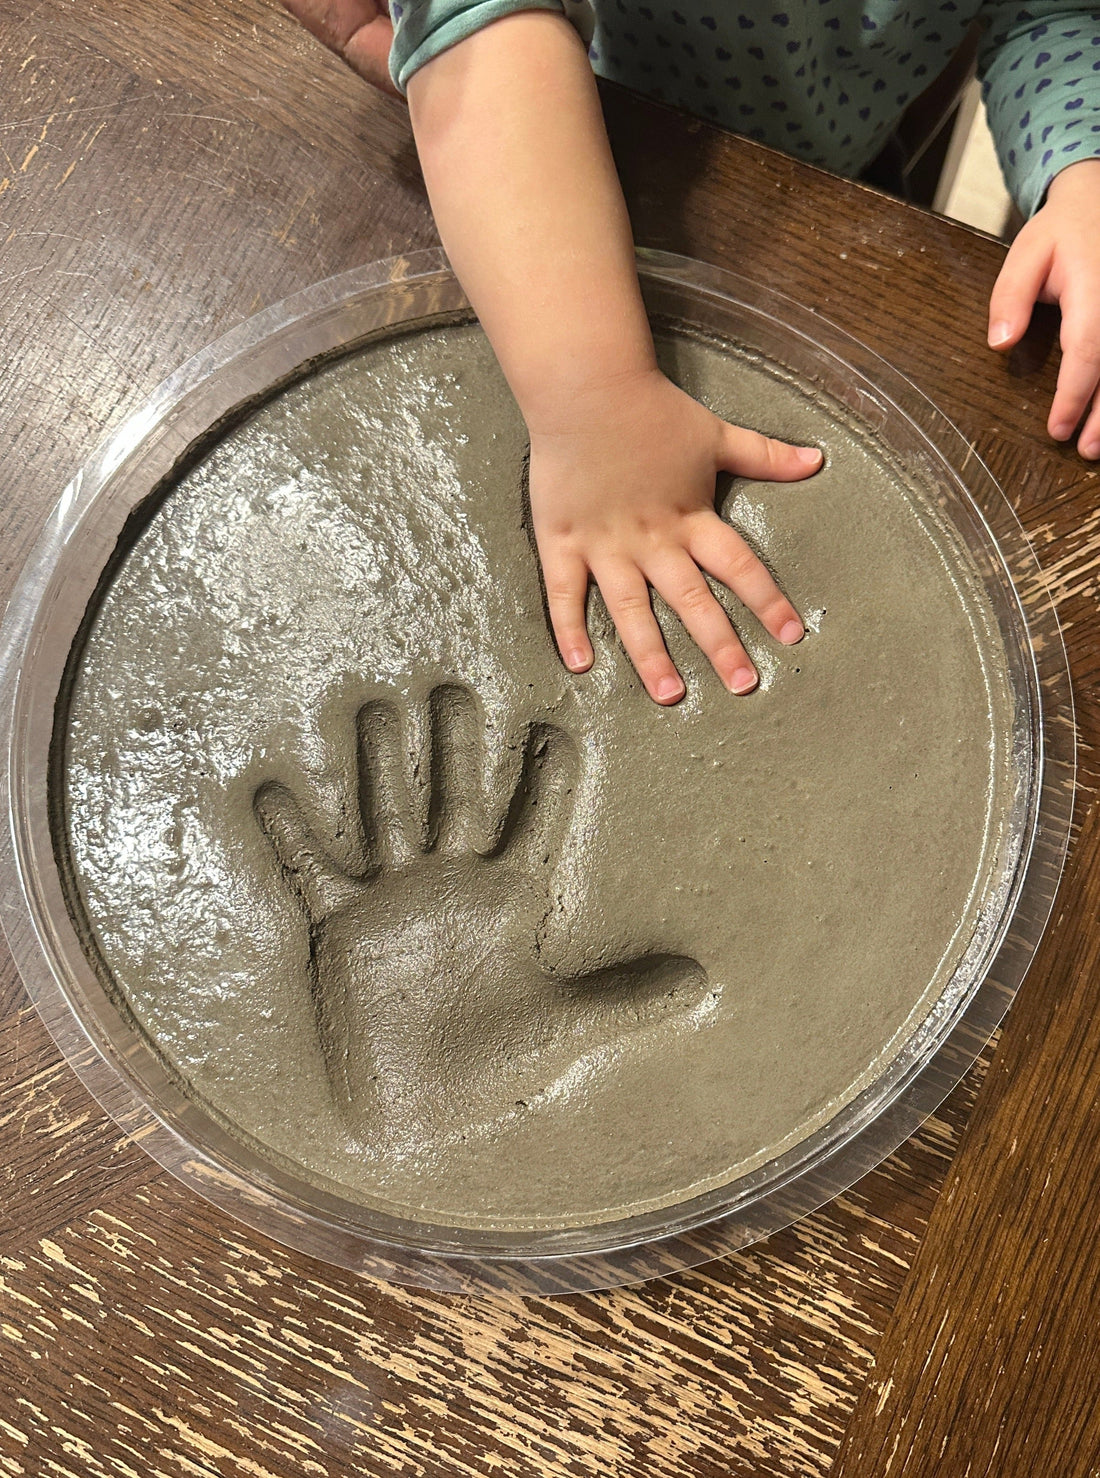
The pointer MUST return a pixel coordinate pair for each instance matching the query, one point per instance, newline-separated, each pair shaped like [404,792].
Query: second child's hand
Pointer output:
[1056,259]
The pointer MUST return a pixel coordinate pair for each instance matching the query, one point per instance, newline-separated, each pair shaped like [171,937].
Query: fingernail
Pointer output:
[669,689]
[791,632]
[578,661]
[1091,450]
[811,455]
[1062,430]
[743,680]
[999,333]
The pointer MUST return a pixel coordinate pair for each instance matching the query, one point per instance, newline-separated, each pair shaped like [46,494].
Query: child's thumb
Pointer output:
[749,454]
[1018,285]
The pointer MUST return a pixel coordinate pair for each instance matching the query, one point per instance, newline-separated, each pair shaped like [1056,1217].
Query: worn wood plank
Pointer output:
[151,1333]
[990,1355]
[56,1142]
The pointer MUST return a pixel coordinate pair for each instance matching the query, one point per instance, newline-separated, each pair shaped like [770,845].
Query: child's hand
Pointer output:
[623,464]
[1056,259]
[360,31]
[622,489]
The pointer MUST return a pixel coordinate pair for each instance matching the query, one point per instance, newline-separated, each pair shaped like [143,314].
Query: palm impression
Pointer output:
[434,1002]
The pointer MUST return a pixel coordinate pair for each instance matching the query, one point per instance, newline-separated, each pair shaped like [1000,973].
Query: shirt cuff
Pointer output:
[424,28]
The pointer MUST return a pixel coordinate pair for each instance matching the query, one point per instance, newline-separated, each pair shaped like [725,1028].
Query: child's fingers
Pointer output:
[1077,378]
[678,580]
[566,581]
[626,595]
[1017,289]
[368,53]
[1088,444]
[716,548]
[1079,372]
[360,31]
[749,454]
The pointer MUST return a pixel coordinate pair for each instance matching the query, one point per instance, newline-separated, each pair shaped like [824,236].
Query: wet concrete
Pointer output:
[415,911]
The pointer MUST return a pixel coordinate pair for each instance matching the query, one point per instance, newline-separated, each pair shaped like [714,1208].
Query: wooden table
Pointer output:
[167,167]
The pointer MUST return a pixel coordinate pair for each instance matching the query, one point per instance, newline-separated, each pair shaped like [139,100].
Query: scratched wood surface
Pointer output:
[167,167]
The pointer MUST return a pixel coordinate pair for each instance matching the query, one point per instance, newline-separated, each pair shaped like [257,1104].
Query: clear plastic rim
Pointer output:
[117,1066]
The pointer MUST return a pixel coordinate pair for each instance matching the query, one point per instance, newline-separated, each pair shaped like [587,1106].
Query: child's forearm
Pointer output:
[525,195]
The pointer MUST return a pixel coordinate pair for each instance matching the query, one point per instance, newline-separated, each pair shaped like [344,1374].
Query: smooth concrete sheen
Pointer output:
[416,911]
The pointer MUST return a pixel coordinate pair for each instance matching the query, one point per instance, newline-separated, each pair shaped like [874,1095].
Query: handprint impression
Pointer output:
[433,1005]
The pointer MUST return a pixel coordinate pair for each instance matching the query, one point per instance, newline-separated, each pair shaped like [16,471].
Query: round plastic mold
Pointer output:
[119,1066]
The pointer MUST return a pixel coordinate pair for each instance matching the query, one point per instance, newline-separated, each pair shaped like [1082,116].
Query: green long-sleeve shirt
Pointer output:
[825,80]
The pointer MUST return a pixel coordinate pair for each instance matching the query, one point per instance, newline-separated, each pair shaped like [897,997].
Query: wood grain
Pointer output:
[166,168]
[54,1137]
[176,1338]
[990,1354]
